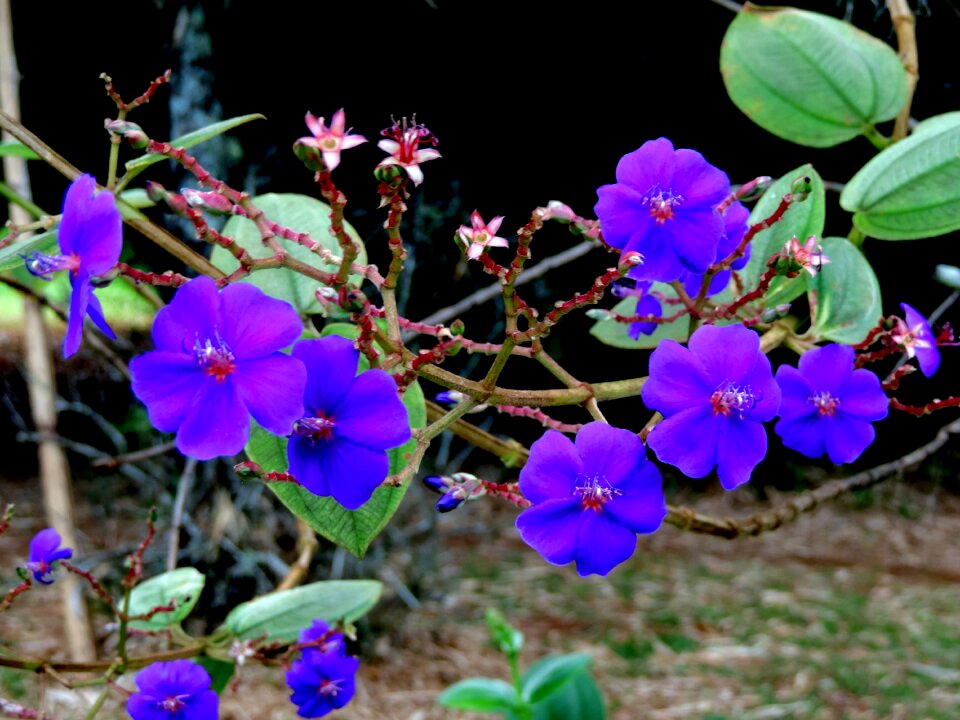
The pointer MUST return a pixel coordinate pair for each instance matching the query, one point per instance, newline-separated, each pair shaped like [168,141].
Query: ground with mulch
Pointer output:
[849,613]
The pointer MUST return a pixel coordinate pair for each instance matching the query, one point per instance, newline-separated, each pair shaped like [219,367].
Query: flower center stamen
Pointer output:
[43,266]
[595,492]
[730,397]
[215,357]
[172,703]
[314,428]
[825,403]
[329,688]
[661,203]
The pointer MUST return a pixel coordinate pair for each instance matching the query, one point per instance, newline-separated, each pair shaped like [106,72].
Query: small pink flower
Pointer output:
[403,145]
[481,235]
[330,140]
[808,256]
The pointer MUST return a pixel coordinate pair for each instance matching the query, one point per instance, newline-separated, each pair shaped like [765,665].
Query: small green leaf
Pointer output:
[845,295]
[282,616]
[485,695]
[303,214]
[12,148]
[505,636]
[182,585]
[577,699]
[610,332]
[137,198]
[548,675]
[220,672]
[138,165]
[802,219]
[44,243]
[912,189]
[807,77]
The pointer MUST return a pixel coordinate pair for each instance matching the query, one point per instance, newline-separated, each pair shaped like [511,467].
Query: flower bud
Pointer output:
[248,470]
[598,314]
[451,501]
[437,483]
[212,202]
[131,132]
[801,188]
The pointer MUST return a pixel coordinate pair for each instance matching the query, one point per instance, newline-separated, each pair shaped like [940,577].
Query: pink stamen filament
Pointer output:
[215,357]
[825,403]
[595,493]
[729,397]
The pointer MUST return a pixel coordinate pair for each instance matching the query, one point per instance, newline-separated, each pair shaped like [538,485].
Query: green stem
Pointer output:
[856,236]
[122,631]
[114,155]
[35,210]
[98,703]
[878,139]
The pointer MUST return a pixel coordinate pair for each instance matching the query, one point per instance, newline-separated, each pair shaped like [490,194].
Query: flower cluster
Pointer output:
[176,690]
[90,240]
[590,498]
[323,679]
[45,550]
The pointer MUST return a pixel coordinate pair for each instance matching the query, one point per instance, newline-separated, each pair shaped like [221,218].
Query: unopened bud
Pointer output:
[755,188]
[598,314]
[389,174]
[556,210]
[437,483]
[248,470]
[451,500]
[449,397]
[457,327]
[212,202]
[131,132]
[156,192]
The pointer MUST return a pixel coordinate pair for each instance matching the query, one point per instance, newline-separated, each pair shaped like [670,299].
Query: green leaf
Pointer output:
[809,78]
[577,699]
[351,529]
[12,148]
[220,672]
[610,332]
[912,189]
[485,695]
[44,243]
[302,214]
[137,198]
[845,295]
[182,585]
[548,675]
[138,165]
[505,636]
[802,219]
[282,616]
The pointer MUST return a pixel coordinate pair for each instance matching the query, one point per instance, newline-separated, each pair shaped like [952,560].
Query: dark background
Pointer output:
[531,102]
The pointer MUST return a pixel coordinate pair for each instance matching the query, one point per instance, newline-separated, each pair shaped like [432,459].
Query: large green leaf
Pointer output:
[138,165]
[300,213]
[844,295]
[182,586]
[282,616]
[809,78]
[352,529]
[484,695]
[546,677]
[912,189]
[802,219]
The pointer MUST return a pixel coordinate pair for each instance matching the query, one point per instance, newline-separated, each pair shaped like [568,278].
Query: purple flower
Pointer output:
[90,240]
[176,690]
[735,223]
[664,205]
[218,362]
[44,551]
[332,644]
[828,406]
[322,682]
[714,397]
[339,447]
[917,340]
[590,499]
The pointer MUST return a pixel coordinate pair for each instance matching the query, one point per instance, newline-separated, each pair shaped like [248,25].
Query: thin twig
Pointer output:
[183,492]
[905,25]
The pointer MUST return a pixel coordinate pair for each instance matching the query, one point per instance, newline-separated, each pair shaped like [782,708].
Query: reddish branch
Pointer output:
[125,107]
